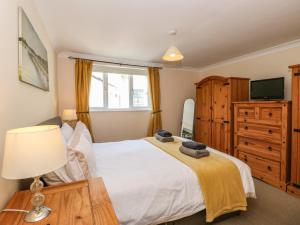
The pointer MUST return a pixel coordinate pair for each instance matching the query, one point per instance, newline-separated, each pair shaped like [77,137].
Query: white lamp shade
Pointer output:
[173,54]
[69,114]
[33,151]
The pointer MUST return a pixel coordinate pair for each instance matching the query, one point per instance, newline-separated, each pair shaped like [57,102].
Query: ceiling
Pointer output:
[209,31]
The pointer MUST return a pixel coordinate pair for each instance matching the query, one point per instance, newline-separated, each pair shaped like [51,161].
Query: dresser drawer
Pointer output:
[246,112]
[271,114]
[259,148]
[264,166]
[262,132]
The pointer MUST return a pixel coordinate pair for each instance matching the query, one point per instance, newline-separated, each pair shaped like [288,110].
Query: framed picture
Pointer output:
[33,61]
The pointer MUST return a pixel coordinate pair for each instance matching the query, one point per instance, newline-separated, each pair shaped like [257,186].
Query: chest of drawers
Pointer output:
[262,139]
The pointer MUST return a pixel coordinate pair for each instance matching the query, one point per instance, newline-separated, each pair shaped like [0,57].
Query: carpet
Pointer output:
[271,207]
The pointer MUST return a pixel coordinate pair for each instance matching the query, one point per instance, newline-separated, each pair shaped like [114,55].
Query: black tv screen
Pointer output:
[267,89]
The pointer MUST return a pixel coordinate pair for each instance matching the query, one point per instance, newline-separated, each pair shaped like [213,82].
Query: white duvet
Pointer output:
[148,186]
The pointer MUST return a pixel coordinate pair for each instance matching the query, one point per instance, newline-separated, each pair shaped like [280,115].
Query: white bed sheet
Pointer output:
[148,186]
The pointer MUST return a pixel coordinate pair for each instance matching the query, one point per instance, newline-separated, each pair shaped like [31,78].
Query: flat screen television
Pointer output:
[267,89]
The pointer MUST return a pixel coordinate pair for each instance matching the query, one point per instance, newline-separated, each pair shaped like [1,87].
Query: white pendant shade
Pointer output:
[172,54]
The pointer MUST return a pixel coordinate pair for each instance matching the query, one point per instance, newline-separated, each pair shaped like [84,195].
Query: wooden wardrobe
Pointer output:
[294,187]
[214,112]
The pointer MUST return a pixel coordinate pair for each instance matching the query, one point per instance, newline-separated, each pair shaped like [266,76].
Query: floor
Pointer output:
[272,207]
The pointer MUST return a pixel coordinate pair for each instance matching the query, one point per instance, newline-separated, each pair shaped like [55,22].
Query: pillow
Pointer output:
[79,142]
[76,169]
[66,131]
[81,126]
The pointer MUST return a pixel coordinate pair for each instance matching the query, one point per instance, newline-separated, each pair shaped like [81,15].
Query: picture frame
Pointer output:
[33,57]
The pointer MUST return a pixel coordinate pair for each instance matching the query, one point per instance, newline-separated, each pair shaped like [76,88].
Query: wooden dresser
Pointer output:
[294,187]
[262,137]
[84,202]
[214,113]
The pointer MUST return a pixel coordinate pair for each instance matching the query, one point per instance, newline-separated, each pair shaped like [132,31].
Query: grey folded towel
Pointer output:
[163,139]
[164,133]
[194,153]
[194,145]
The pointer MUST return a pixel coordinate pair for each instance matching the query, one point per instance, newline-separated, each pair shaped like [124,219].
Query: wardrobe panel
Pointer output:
[220,100]
[295,176]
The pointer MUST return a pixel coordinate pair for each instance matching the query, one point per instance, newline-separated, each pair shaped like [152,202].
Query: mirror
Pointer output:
[188,119]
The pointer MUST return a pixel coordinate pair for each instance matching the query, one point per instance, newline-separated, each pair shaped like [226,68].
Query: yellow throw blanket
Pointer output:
[219,178]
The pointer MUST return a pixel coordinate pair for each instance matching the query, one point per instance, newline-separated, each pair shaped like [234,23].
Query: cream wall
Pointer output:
[274,64]
[21,104]
[176,85]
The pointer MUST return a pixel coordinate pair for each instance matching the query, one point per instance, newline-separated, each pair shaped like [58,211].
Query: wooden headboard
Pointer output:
[53,121]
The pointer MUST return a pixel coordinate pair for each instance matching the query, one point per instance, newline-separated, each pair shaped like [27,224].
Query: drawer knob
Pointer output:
[269,168]
[246,113]
[246,128]
[270,114]
[270,131]
[270,148]
[246,142]
[245,159]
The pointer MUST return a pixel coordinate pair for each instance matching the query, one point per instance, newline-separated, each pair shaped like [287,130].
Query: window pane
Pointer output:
[140,91]
[118,90]
[96,92]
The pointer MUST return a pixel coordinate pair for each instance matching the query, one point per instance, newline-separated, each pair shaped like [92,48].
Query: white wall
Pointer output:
[21,104]
[273,64]
[176,85]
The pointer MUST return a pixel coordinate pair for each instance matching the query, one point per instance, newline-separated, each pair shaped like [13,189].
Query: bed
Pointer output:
[148,186]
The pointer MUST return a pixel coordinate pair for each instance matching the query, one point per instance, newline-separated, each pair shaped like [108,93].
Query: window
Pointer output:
[114,88]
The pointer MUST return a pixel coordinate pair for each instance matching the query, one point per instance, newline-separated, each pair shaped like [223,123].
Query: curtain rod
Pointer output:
[120,64]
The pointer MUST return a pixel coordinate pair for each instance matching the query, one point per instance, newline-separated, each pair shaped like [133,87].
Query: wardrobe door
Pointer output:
[295,176]
[220,116]
[203,113]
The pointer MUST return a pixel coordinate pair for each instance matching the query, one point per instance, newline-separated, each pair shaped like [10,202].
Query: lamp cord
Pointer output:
[15,210]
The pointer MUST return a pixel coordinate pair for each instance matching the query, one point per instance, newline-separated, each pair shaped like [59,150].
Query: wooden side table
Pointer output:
[80,203]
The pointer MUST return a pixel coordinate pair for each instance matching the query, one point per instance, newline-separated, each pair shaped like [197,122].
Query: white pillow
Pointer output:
[86,148]
[79,142]
[76,169]
[81,126]
[66,131]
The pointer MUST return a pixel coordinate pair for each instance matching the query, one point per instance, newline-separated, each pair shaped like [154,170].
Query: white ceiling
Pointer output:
[209,31]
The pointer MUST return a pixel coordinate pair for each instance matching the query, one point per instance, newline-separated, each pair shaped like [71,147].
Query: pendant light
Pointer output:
[173,53]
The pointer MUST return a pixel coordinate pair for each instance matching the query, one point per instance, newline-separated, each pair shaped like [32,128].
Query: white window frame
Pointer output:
[130,72]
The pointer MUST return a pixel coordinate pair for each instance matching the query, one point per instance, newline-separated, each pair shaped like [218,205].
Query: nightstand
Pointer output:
[81,203]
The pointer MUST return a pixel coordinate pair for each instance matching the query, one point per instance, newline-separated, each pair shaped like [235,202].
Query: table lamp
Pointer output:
[32,152]
[70,116]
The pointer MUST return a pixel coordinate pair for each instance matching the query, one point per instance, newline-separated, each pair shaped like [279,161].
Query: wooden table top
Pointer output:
[80,203]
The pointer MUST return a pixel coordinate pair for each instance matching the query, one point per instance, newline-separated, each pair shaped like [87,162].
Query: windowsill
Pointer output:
[121,110]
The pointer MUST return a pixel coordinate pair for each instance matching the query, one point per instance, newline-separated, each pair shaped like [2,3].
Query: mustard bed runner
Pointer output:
[218,176]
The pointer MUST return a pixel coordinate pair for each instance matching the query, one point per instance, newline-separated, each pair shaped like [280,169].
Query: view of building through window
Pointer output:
[111,90]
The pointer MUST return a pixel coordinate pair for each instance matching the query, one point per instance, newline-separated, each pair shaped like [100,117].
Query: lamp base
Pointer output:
[37,214]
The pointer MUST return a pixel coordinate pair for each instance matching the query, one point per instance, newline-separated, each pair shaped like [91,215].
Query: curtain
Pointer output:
[155,119]
[83,75]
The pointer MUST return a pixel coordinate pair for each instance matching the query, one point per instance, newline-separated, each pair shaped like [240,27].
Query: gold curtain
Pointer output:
[83,75]
[155,119]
